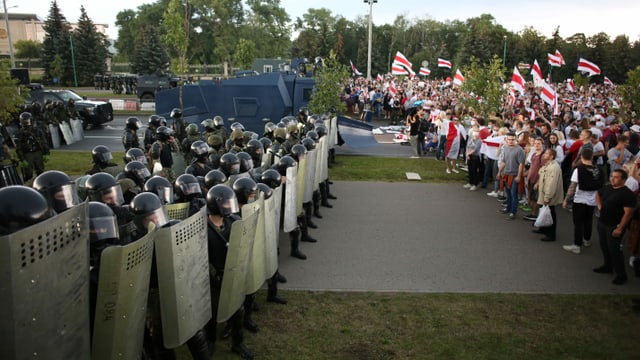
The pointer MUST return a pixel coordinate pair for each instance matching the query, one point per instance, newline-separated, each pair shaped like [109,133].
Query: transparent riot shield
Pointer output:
[178,211]
[321,160]
[44,289]
[324,155]
[310,176]
[236,266]
[77,130]
[256,274]
[272,231]
[333,132]
[55,136]
[290,201]
[266,161]
[66,132]
[183,278]
[178,163]
[121,305]
[301,180]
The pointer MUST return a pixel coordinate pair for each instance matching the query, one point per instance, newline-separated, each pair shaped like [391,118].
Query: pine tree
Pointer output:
[150,55]
[56,43]
[89,48]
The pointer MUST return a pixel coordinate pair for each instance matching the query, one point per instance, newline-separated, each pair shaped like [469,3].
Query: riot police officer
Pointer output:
[161,152]
[193,135]
[150,135]
[237,140]
[58,188]
[187,190]
[135,154]
[21,207]
[101,158]
[32,147]
[161,187]
[218,125]
[104,188]
[130,136]
[294,235]
[229,164]
[269,128]
[298,152]
[138,172]
[213,178]
[179,125]
[200,152]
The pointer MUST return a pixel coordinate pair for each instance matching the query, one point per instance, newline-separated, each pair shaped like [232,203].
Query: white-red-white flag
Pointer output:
[458,78]
[554,60]
[444,63]
[397,69]
[587,66]
[424,71]
[571,86]
[379,77]
[608,82]
[536,73]
[524,66]
[548,94]
[392,89]
[517,81]
[512,97]
[558,55]
[401,61]
[354,70]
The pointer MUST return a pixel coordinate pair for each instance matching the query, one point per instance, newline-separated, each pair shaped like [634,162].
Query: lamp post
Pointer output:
[504,55]
[6,19]
[370,2]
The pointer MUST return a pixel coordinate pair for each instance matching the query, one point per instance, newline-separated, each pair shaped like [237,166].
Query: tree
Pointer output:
[28,49]
[131,23]
[267,26]
[176,36]
[327,91]
[11,95]
[150,56]
[485,81]
[90,50]
[245,53]
[56,44]
[630,91]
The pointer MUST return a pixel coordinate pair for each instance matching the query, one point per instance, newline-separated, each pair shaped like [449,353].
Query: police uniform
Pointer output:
[31,148]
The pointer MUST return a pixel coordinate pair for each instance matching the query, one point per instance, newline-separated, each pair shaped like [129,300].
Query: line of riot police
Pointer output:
[146,264]
[118,83]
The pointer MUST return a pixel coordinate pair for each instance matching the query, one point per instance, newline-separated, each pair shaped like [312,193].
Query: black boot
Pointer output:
[238,345]
[307,214]
[281,278]
[316,204]
[272,291]
[294,236]
[323,195]
[329,194]
[248,322]
[199,347]
[226,331]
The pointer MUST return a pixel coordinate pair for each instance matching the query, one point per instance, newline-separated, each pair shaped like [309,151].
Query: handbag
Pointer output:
[544,218]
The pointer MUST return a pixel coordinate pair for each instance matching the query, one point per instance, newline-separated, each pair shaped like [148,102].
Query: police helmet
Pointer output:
[303,111]
[208,125]
[103,230]
[246,190]
[161,187]
[266,143]
[213,178]
[137,171]
[154,120]
[269,127]
[222,201]
[280,134]
[246,162]
[101,154]
[164,133]
[313,135]
[192,129]
[271,178]
[81,186]
[236,125]
[314,119]
[298,152]
[265,189]
[256,150]
[104,188]
[176,113]
[135,154]
[213,161]
[199,149]
[321,130]
[21,207]
[133,123]
[215,141]
[308,144]
[147,208]
[218,121]
[285,163]
[25,118]
[187,187]
[236,134]
[229,164]
[162,120]
[58,188]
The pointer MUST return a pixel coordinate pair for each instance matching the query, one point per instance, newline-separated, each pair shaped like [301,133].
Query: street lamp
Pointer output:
[504,55]
[6,19]
[370,2]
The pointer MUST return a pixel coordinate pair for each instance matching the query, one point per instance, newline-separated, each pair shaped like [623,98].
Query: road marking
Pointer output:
[102,137]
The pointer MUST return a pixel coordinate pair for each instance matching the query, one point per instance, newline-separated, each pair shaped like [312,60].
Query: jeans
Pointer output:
[488,171]
[512,196]
[611,249]
[441,147]
[582,222]
[420,144]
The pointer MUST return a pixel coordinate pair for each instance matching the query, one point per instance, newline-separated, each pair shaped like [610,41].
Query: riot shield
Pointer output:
[77,130]
[266,161]
[324,155]
[256,274]
[44,289]
[121,304]
[178,211]
[183,278]
[178,163]
[236,266]
[333,132]
[272,231]
[321,158]
[310,176]
[66,132]
[290,201]
[9,175]
[301,180]
[55,136]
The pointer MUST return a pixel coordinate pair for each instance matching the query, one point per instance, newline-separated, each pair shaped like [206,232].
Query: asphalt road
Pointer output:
[110,135]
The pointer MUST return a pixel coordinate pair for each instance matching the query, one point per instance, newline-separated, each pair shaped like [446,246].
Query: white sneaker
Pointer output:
[492,194]
[572,248]
[466,186]
[473,188]
[455,171]
[523,202]
[586,243]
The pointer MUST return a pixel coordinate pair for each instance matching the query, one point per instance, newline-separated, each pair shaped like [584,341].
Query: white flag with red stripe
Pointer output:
[458,78]
[397,69]
[517,81]
[401,61]
[379,77]
[587,66]
[512,97]
[554,60]
[558,55]
[537,74]
[424,71]
[608,82]
[524,66]
[548,94]
[354,70]
[444,63]
[392,89]
[571,86]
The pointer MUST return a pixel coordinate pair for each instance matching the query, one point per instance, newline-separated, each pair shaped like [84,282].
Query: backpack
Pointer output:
[424,126]
[590,178]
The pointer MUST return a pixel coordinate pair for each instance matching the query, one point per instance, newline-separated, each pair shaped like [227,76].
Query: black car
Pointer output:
[90,112]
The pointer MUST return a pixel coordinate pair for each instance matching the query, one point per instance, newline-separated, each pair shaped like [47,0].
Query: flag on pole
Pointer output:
[392,89]
[444,63]
[424,71]
[548,94]
[558,55]
[398,70]
[554,60]
[512,97]
[458,79]
[608,82]
[587,66]
[379,77]
[354,70]
[401,61]
[517,81]
[524,66]
[571,86]
[537,73]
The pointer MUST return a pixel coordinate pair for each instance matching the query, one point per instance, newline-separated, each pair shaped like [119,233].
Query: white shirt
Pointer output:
[582,196]
[632,184]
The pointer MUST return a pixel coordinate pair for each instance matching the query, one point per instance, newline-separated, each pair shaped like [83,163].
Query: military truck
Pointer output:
[149,85]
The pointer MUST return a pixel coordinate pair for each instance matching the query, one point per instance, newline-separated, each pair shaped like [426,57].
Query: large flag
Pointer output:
[452,146]
[587,66]
[537,73]
[397,69]
[444,63]
[608,82]
[401,61]
[524,66]
[555,60]
[424,71]
[458,79]
[354,70]
[571,86]
[517,81]
[548,94]
[557,54]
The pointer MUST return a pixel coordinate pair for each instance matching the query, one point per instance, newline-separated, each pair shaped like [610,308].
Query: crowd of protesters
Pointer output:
[529,157]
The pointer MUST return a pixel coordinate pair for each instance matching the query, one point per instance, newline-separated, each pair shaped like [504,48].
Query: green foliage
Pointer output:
[150,56]
[630,91]
[326,95]
[56,45]
[28,49]
[56,67]
[267,26]
[485,81]
[90,50]
[579,80]
[11,95]
[245,54]
[176,37]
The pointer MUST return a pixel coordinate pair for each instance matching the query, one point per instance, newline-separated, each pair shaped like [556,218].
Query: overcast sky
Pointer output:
[613,17]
